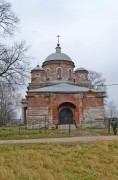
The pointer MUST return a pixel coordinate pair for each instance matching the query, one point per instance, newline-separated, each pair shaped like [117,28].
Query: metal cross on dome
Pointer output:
[58,38]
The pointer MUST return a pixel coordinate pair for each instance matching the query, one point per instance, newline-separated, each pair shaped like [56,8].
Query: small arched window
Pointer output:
[82,77]
[70,74]
[37,78]
[47,73]
[59,73]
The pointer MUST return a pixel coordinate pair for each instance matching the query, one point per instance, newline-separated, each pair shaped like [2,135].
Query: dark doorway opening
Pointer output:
[66,116]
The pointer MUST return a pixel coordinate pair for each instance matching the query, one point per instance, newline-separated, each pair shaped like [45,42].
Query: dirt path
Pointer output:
[86,139]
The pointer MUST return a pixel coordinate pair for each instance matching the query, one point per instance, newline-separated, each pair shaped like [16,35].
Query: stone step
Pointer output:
[67,126]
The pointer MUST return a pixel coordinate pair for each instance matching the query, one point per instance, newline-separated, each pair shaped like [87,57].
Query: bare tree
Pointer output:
[111,110]
[8,104]
[96,80]
[14,64]
[14,61]
[8,20]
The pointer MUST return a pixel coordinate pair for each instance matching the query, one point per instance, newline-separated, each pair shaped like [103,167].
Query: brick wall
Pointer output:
[93,117]
[93,110]
[46,106]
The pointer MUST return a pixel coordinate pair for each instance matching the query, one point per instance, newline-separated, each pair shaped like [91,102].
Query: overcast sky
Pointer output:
[88,30]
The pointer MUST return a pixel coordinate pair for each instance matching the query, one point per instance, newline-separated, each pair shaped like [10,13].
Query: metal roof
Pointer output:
[58,56]
[38,68]
[62,88]
[81,69]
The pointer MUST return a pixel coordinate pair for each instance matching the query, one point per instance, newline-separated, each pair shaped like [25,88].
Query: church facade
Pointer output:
[60,95]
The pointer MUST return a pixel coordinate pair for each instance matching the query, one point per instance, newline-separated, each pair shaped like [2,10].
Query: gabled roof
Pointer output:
[62,88]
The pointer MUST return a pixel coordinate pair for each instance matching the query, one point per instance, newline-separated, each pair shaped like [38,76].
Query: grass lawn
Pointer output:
[98,161]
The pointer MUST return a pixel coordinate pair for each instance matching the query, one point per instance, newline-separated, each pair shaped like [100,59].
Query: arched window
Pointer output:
[70,74]
[82,77]
[37,78]
[47,73]
[59,73]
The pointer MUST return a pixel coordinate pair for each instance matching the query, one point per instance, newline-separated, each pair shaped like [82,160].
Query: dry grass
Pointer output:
[97,161]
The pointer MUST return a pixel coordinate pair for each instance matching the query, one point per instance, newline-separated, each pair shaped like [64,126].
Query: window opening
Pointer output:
[70,74]
[59,73]
[47,74]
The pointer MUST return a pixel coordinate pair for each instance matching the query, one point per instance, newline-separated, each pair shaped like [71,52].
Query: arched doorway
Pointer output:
[66,116]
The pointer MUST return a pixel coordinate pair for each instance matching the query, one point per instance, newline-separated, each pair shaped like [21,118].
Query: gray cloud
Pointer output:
[88,29]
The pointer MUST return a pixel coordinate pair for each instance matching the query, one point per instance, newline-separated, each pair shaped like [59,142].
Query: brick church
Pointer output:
[60,95]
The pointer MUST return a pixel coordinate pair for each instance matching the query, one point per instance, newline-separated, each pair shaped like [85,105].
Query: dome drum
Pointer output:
[58,62]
